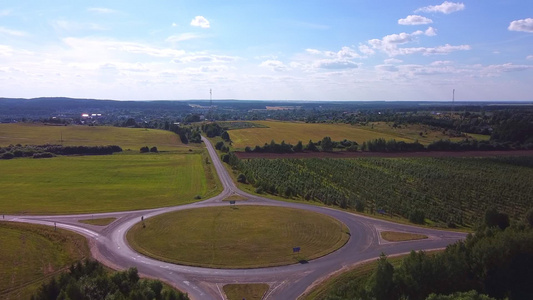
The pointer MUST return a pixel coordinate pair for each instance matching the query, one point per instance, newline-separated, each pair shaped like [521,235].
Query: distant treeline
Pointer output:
[381,145]
[43,151]
[213,129]
[326,144]
[187,134]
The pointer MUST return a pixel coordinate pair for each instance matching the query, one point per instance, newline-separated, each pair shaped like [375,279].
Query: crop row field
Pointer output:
[448,190]
[73,135]
[292,132]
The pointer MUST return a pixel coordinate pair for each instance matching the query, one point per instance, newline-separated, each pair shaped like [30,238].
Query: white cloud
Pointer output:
[387,68]
[389,61]
[182,37]
[415,20]
[441,63]
[200,21]
[522,25]
[12,32]
[508,67]
[335,64]
[174,25]
[5,12]
[365,49]
[204,58]
[430,31]
[101,10]
[446,49]
[64,25]
[529,57]
[6,50]
[445,8]
[106,47]
[390,44]
[274,65]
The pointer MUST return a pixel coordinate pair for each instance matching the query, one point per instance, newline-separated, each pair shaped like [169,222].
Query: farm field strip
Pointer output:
[73,135]
[292,132]
[84,184]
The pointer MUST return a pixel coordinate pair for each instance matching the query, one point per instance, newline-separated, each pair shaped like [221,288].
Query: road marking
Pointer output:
[220,292]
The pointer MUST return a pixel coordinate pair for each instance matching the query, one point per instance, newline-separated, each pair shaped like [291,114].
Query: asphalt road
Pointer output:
[108,245]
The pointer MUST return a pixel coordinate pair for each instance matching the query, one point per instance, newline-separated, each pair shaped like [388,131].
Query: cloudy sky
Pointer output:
[267,49]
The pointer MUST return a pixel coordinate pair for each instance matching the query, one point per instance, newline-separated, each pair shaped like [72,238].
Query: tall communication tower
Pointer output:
[453,100]
[210,97]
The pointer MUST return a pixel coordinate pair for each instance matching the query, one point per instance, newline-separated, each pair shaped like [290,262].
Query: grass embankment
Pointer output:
[393,236]
[238,237]
[254,291]
[356,276]
[292,132]
[353,277]
[31,254]
[74,135]
[98,222]
[85,184]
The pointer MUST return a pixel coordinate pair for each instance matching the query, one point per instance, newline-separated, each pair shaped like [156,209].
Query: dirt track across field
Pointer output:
[345,154]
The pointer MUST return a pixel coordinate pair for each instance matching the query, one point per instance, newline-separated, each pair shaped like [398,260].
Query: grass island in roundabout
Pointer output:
[238,236]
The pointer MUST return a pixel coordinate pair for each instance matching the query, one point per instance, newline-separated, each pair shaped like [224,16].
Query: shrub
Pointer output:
[43,155]
[7,155]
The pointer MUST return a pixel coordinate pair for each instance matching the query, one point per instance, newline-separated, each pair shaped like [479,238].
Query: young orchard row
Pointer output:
[455,191]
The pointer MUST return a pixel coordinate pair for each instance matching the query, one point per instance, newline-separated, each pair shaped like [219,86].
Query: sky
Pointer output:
[267,49]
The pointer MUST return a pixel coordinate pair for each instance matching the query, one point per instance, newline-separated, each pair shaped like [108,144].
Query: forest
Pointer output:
[494,263]
[90,280]
[445,190]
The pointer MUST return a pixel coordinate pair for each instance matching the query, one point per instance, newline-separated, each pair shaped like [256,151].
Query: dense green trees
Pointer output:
[13,151]
[89,280]
[491,264]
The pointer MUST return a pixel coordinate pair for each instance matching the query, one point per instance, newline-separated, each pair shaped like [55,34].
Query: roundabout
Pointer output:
[110,245]
[238,237]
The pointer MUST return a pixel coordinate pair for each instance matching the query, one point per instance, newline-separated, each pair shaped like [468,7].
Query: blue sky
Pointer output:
[267,50]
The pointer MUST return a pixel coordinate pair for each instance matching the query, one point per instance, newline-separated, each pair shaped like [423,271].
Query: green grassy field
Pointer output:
[31,254]
[98,222]
[84,184]
[392,236]
[292,132]
[238,237]
[73,135]
[245,291]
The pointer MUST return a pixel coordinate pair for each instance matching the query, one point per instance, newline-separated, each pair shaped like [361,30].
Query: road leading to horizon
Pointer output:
[109,245]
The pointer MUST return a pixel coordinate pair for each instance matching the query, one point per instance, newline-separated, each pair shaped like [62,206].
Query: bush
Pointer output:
[7,155]
[417,216]
[241,178]
[43,155]
[154,149]
[144,149]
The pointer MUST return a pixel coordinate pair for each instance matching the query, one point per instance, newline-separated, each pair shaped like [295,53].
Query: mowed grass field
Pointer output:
[74,135]
[31,254]
[292,132]
[238,237]
[85,184]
